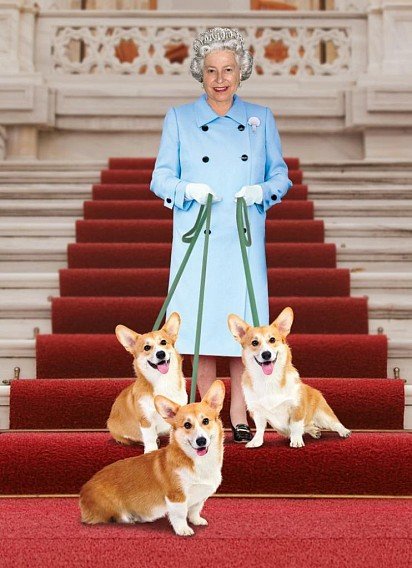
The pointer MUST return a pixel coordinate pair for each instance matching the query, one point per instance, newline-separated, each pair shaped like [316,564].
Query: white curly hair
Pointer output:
[216,39]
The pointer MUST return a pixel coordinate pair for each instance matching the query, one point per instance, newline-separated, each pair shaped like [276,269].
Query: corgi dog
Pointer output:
[158,368]
[272,387]
[173,481]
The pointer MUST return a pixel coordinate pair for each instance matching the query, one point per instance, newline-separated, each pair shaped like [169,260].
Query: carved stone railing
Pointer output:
[148,44]
[341,78]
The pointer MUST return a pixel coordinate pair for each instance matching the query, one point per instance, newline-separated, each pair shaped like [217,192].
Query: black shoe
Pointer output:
[241,433]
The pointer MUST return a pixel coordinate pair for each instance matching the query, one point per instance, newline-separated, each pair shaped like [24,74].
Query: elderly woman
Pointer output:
[228,147]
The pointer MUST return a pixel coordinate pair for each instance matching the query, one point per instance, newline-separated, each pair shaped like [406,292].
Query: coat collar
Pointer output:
[205,113]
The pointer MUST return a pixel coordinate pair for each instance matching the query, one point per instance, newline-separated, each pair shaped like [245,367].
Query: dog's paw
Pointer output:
[297,442]
[254,443]
[198,521]
[315,433]
[345,433]
[184,530]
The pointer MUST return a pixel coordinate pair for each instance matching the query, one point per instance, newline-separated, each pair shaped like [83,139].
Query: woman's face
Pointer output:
[221,76]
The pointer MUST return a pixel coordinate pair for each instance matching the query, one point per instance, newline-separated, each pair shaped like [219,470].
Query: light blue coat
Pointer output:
[198,145]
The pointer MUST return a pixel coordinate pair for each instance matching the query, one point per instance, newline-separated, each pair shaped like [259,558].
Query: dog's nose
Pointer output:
[266,355]
[201,442]
[160,354]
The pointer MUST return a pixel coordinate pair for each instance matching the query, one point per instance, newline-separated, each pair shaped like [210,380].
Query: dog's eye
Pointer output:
[163,342]
[272,340]
[187,425]
[147,347]
[255,342]
[205,421]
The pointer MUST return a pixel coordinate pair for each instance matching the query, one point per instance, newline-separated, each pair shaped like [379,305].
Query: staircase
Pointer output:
[75,278]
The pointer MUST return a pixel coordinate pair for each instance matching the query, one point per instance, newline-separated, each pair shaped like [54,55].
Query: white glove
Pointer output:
[251,193]
[199,192]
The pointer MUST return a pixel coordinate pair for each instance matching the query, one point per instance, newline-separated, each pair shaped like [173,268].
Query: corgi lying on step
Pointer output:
[272,387]
[158,368]
[173,481]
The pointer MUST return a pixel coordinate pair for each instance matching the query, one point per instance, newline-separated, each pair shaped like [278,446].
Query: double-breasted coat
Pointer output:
[225,152]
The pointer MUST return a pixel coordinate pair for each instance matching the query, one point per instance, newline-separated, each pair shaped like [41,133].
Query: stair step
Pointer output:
[101,315]
[35,403]
[51,462]
[21,314]
[366,208]
[41,191]
[15,231]
[393,283]
[22,353]
[157,255]
[135,282]
[79,190]
[323,210]
[86,393]
[79,355]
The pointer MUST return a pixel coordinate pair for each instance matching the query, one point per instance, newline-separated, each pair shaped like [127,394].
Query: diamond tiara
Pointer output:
[216,34]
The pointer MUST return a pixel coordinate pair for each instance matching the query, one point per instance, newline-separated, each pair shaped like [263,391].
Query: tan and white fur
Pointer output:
[173,481]
[158,368]
[272,387]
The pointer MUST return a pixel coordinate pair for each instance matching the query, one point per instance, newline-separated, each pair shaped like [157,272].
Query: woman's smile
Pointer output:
[221,78]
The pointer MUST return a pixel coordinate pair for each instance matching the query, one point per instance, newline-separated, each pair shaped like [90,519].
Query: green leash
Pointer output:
[191,237]
[245,239]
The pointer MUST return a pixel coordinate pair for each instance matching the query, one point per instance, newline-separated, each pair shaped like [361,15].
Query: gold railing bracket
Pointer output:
[16,376]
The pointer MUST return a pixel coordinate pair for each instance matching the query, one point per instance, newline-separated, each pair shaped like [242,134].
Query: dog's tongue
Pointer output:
[201,451]
[163,367]
[267,368]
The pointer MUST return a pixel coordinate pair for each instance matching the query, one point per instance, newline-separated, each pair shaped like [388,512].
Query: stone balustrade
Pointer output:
[338,81]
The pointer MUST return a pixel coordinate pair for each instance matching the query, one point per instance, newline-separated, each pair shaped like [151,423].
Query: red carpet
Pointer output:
[157,255]
[83,355]
[364,464]
[314,282]
[101,315]
[289,533]
[160,231]
[41,404]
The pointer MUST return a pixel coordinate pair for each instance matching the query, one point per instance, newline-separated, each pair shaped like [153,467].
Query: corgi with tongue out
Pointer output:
[174,481]
[158,368]
[272,387]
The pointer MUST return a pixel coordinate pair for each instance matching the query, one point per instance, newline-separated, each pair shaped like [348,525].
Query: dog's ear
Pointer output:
[127,337]
[166,408]
[215,396]
[237,326]
[172,326]
[284,321]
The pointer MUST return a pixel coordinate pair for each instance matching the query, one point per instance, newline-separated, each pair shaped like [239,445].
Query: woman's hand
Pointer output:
[251,193]
[199,192]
